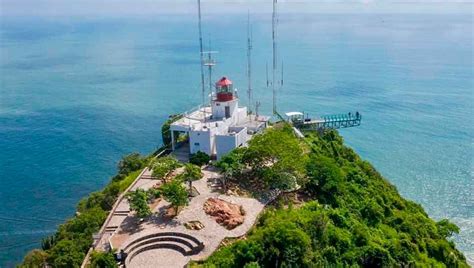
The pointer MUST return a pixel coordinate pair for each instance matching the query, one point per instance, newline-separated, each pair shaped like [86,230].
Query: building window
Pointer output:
[196,144]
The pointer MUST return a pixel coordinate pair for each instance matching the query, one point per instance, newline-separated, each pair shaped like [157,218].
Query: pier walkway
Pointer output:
[334,121]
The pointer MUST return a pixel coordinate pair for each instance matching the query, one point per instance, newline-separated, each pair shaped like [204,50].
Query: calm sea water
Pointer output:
[77,94]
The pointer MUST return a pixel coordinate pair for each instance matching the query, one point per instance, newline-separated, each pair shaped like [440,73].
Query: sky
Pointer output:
[151,7]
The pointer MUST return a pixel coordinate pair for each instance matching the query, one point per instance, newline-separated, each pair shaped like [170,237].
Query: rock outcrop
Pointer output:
[227,214]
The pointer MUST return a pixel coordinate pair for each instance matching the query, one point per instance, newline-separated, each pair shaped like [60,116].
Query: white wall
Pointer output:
[226,143]
[200,141]
[218,108]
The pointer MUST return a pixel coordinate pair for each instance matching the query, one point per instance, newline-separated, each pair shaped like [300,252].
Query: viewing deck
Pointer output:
[335,121]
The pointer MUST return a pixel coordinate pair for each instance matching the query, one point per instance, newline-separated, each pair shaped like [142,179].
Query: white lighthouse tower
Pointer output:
[226,103]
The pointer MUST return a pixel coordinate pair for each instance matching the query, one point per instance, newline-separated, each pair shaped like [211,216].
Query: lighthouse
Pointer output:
[226,102]
[218,128]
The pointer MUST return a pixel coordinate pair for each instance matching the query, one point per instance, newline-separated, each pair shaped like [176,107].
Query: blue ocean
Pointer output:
[78,93]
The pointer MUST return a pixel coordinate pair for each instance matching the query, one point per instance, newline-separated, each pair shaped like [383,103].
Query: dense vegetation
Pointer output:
[69,245]
[354,217]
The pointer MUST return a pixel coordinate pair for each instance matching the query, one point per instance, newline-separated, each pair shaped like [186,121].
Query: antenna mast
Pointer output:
[249,62]
[210,63]
[257,106]
[201,53]
[266,70]
[281,81]
[274,21]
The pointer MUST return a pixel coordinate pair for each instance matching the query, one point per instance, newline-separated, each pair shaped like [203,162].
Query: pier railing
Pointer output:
[335,121]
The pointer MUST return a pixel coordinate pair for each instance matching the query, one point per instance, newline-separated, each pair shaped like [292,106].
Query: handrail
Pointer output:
[117,202]
[109,217]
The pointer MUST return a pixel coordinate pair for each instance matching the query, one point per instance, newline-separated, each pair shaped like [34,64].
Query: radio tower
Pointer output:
[209,63]
[201,53]
[274,21]
[249,63]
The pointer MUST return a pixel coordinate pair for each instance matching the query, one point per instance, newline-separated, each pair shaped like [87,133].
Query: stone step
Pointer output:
[186,245]
[121,213]
[111,228]
[194,242]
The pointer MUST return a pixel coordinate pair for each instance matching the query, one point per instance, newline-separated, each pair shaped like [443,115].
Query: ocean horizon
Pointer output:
[76,94]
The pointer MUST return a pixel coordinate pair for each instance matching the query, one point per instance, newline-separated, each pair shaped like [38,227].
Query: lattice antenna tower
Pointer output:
[210,63]
[281,81]
[266,71]
[274,32]
[249,63]
[203,89]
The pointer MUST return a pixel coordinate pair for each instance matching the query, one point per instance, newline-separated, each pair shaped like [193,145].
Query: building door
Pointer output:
[227,112]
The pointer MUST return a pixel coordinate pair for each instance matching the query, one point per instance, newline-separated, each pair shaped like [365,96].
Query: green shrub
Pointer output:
[199,158]
[103,260]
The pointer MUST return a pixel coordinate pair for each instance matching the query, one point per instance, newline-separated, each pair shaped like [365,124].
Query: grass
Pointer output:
[125,183]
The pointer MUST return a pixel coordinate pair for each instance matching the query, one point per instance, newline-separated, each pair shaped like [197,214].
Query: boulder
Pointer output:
[194,225]
[227,214]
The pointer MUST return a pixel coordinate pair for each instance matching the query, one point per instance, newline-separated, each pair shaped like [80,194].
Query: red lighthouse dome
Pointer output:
[224,89]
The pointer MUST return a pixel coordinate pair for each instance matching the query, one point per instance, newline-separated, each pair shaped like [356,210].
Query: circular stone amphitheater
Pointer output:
[163,246]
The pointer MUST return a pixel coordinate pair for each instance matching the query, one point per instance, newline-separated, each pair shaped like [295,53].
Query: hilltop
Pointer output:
[334,209]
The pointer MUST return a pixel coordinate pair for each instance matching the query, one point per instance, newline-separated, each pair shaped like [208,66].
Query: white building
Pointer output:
[218,128]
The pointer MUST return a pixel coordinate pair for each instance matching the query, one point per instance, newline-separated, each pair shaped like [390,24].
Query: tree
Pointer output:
[325,178]
[103,260]
[175,193]
[277,157]
[139,203]
[446,228]
[285,245]
[48,242]
[163,166]
[66,254]
[231,165]
[191,173]
[199,158]
[130,163]
[34,258]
